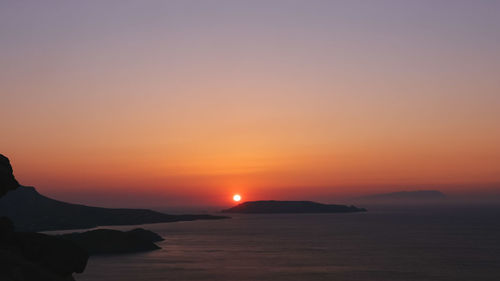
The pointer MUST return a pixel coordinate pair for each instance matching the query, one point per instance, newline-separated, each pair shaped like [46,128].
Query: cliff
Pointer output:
[7,180]
[29,256]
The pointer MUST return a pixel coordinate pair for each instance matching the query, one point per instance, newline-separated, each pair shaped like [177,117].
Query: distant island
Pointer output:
[31,211]
[418,196]
[280,207]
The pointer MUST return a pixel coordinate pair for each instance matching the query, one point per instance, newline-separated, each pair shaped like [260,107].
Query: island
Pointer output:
[281,207]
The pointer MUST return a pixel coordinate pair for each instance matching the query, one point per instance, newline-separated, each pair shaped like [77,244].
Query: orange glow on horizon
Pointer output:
[193,107]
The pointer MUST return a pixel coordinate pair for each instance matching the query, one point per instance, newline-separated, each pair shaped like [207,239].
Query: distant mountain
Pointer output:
[32,211]
[405,196]
[272,207]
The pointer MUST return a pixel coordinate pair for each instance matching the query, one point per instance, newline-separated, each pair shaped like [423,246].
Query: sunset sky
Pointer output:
[151,103]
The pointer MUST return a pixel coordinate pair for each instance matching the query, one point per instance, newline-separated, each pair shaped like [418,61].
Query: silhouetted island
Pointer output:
[32,211]
[273,207]
[108,241]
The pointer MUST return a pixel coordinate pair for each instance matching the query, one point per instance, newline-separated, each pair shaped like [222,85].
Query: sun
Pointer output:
[236,197]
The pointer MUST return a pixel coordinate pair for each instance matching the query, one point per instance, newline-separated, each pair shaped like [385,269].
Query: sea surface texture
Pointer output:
[412,244]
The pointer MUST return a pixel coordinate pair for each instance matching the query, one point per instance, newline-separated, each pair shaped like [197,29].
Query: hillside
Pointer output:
[31,211]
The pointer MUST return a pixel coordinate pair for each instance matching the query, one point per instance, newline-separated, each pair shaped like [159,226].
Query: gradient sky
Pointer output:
[128,103]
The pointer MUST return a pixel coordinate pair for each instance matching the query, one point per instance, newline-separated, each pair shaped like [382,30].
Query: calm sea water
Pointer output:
[410,244]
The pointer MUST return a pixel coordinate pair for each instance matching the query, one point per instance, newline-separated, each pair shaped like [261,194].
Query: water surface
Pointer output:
[411,244]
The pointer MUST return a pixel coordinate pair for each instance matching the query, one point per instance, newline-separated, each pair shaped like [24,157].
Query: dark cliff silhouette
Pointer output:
[29,256]
[270,207]
[32,211]
[7,180]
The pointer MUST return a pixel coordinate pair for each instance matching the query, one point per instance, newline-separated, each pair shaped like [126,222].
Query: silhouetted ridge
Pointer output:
[32,211]
[29,256]
[7,180]
[264,207]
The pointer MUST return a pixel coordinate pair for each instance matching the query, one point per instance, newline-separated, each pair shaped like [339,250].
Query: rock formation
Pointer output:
[29,256]
[7,180]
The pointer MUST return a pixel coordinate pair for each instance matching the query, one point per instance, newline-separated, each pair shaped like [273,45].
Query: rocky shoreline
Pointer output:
[28,255]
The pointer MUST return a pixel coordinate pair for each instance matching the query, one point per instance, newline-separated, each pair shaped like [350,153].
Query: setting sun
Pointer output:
[236,197]
[339,121]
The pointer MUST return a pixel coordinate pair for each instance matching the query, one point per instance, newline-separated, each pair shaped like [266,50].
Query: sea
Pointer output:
[419,243]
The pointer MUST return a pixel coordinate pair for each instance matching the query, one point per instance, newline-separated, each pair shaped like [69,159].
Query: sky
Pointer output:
[156,103]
